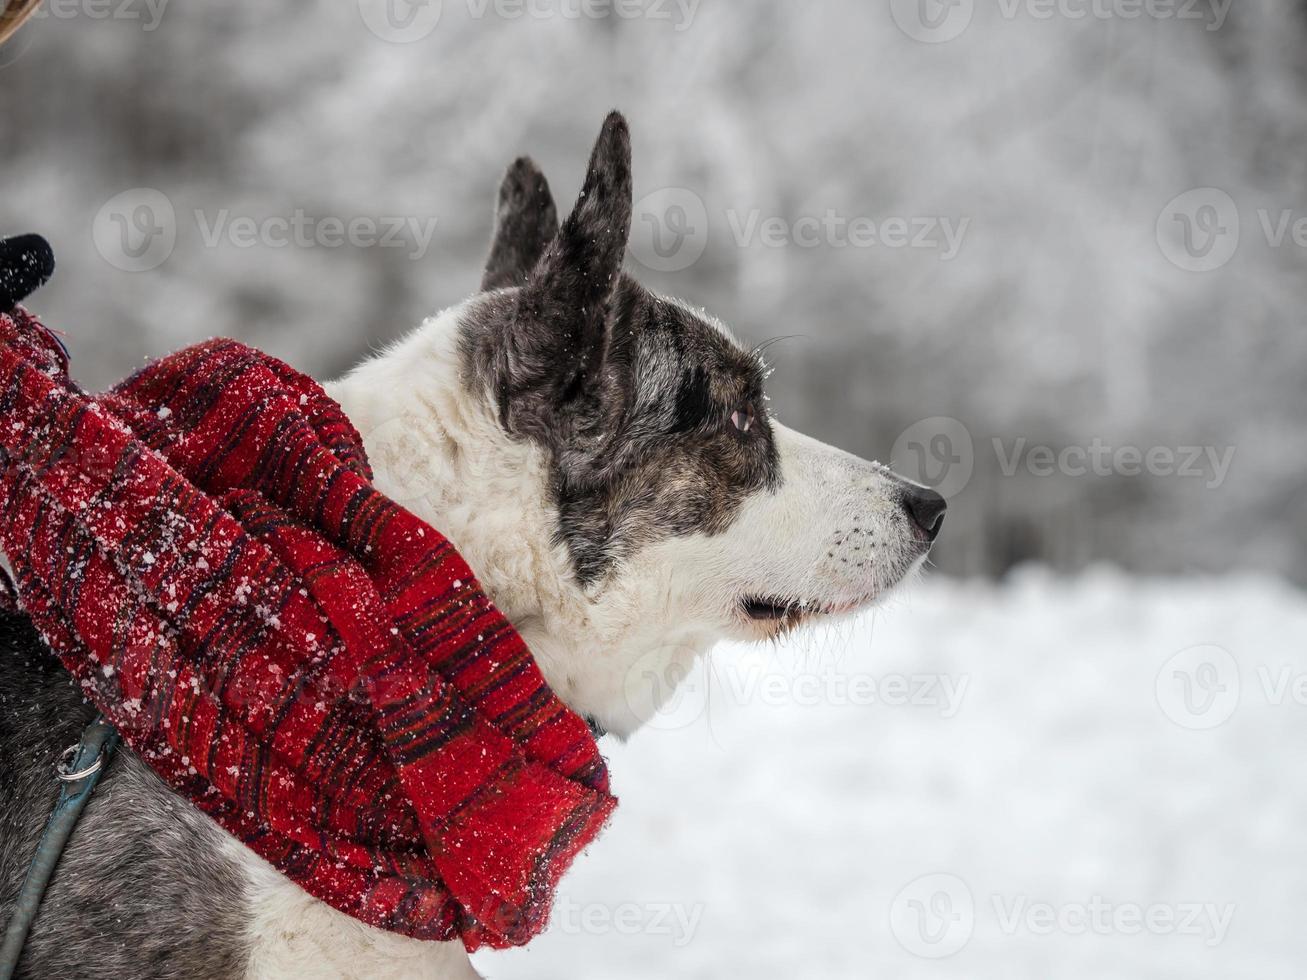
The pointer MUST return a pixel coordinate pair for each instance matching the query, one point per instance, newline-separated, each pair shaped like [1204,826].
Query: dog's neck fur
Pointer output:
[438,448]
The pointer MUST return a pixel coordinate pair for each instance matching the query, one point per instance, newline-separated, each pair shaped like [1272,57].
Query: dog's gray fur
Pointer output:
[142,891]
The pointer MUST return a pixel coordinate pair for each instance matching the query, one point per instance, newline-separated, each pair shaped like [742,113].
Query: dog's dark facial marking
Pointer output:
[694,404]
[526,221]
[671,461]
[639,401]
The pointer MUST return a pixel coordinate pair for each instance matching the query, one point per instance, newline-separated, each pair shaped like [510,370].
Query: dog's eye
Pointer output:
[742,418]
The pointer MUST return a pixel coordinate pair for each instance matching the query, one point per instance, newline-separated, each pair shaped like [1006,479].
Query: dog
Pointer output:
[604,459]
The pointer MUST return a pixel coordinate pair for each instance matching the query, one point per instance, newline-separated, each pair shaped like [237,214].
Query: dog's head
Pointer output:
[606,461]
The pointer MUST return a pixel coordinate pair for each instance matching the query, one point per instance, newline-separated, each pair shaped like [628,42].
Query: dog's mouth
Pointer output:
[782,613]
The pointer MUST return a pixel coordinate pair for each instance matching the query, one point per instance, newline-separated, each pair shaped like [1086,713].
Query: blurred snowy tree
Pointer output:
[1054,144]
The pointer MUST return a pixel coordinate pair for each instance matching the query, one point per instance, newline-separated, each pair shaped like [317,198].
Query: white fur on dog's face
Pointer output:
[832,538]
[832,535]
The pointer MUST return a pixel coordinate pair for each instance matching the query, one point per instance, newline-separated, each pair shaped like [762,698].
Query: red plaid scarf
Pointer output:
[303,659]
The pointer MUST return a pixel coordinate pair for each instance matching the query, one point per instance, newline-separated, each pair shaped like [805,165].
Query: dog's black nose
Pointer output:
[926,508]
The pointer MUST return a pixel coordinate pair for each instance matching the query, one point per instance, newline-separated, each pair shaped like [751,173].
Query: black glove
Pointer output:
[26,264]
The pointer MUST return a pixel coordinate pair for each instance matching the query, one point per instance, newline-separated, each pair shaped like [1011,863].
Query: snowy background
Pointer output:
[1046,255]
[1031,743]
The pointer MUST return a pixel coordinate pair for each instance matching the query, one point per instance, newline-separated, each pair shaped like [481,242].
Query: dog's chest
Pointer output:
[293,935]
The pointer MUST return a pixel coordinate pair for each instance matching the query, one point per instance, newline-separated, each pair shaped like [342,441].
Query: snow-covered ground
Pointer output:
[1104,777]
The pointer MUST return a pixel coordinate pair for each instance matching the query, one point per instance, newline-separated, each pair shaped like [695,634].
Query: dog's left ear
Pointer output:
[526,221]
[559,336]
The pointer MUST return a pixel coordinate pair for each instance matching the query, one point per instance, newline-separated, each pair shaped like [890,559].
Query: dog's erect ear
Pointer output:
[526,221]
[557,342]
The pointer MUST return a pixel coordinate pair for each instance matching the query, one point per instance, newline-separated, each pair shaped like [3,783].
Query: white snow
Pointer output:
[766,829]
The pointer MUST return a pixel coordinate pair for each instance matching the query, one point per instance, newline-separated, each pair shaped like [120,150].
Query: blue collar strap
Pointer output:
[78,772]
